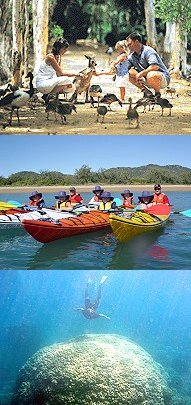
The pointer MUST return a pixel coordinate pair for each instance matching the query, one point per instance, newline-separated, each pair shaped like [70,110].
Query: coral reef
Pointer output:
[92,369]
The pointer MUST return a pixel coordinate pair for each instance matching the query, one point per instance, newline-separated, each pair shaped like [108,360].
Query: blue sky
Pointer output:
[67,153]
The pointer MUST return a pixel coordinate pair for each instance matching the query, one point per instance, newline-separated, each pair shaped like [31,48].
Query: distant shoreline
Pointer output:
[89,188]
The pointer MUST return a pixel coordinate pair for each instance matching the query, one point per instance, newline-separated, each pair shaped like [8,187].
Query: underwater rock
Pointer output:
[92,369]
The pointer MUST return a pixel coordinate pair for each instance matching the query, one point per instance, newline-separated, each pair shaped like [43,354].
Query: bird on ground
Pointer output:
[110,98]
[17,98]
[170,90]
[164,103]
[64,109]
[132,114]
[94,91]
[58,107]
[101,111]
[4,91]
[145,101]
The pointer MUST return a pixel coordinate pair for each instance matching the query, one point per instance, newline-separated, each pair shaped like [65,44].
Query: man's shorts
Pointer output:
[164,83]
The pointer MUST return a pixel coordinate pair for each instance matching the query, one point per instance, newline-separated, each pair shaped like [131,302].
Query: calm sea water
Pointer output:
[168,248]
[152,308]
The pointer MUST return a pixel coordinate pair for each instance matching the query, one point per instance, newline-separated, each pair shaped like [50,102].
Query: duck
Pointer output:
[132,114]
[95,90]
[17,98]
[110,98]
[65,108]
[145,101]
[101,111]
[164,103]
[59,107]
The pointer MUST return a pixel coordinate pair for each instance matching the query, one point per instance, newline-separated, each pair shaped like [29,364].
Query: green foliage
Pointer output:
[174,11]
[150,174]
[83,175]
[56,31]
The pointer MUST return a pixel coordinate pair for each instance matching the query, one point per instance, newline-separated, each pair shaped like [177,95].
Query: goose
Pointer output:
[94,91]
[17,98]
[59,107]
[144,102]
[110,98]
[164,103]
[132,114]
[101,110]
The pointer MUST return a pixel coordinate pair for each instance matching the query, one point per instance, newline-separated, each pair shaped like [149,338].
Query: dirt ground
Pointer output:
[33,121]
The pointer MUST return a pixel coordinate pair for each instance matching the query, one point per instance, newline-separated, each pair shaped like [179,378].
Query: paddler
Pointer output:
[96,199]
[159,197]
[107,202]
[127,199]
[75,198]
[145,200]
[63,200]
[36,200]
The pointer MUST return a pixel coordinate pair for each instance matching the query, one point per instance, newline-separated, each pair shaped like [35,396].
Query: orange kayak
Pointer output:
[45,231]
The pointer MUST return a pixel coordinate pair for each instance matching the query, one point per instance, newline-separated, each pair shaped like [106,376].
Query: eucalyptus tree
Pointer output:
[17,41]
[5,13]
[177,15]
[150,23]
[40,30]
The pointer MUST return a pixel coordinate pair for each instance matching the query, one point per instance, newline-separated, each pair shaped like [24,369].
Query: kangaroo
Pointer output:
[83,83]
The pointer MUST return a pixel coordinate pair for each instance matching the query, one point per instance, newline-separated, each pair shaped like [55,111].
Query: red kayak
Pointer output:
[45,231]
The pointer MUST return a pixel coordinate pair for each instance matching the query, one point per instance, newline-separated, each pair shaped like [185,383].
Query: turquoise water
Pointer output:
[152,308]
[168,248]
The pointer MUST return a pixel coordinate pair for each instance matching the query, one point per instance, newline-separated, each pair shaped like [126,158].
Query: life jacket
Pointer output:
[40,203]
[159,199]
[127,202]
[63,204]
[33,203]
[76,198]
[97,198]
[105,206]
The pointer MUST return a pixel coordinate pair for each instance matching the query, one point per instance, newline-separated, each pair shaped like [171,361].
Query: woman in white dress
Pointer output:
[50,77]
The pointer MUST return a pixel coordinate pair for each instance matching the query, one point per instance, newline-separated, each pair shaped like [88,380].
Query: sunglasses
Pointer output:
[157,189]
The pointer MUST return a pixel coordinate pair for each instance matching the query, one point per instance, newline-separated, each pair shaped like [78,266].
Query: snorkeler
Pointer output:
[90,308]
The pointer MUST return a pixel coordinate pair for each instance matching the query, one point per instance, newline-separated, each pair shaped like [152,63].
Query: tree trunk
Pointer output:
[17,42]
[40,30]
[183,54]
[5,73]
[26,37]
[167,44]
[150,23]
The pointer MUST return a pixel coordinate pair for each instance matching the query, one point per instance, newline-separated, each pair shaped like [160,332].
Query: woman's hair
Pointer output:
[59,44]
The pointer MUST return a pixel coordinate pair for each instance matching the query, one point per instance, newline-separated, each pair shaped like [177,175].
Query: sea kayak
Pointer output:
[48,230]
[15,216]
[127,225]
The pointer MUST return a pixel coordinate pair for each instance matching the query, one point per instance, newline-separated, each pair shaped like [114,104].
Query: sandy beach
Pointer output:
[89,188]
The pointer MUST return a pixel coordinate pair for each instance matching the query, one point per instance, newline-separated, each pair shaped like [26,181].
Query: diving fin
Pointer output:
[103,279]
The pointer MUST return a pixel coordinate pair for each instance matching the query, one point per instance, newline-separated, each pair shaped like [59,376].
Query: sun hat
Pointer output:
[34,194]
[61,194]
[127,192]
[146,194]
[97,188]
[106,194]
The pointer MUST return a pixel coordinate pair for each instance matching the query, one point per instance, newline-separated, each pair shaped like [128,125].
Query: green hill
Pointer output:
[169,174]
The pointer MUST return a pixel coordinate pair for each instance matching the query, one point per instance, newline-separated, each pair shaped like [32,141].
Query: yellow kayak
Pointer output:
[125,226]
